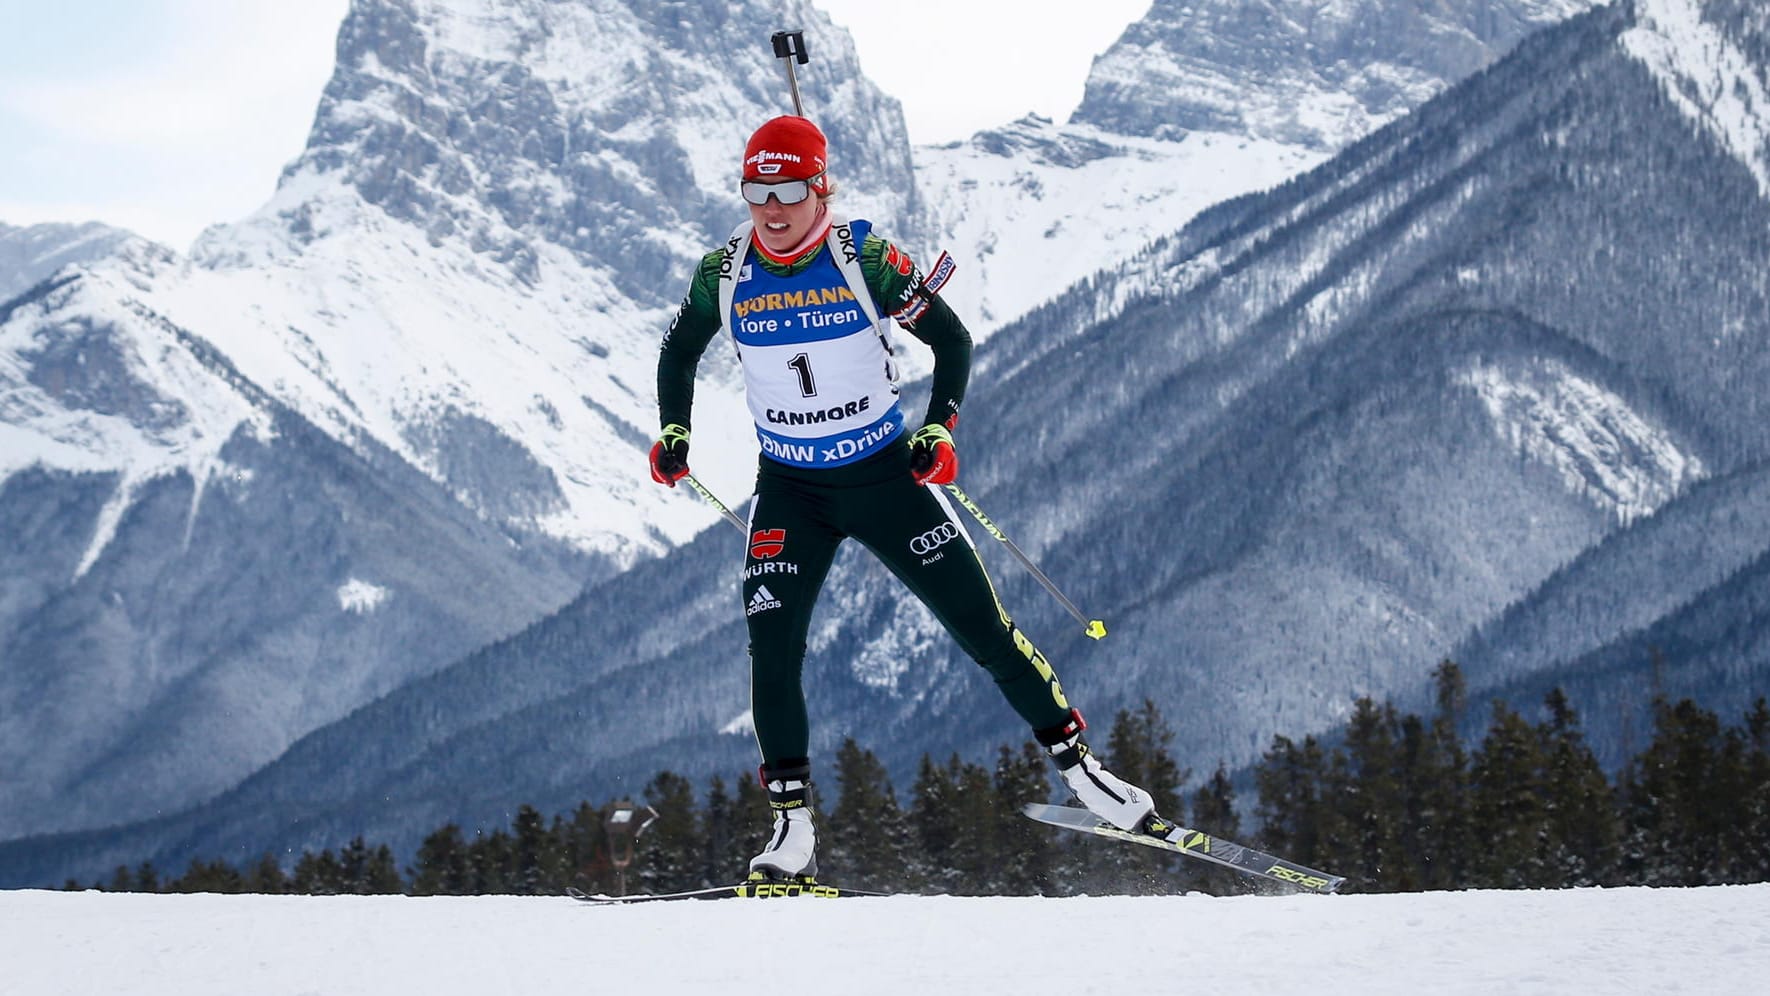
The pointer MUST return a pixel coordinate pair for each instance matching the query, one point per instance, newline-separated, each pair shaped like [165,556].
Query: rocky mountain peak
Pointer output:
[609,129]
[1313,72]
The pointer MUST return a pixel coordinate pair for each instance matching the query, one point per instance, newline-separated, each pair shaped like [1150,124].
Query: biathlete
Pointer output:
[809,299]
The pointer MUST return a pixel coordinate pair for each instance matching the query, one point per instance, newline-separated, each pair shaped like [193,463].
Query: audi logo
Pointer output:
[935,538]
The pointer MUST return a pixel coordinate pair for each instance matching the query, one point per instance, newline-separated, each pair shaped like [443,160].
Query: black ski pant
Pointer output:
[799,518]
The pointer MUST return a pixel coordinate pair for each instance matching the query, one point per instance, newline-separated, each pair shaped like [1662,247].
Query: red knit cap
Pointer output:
[788,148]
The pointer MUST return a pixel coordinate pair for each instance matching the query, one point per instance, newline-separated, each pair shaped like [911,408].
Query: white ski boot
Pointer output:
[1105,794]
[792,846]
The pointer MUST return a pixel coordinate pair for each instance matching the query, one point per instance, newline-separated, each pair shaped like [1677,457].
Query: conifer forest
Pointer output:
[1396,802]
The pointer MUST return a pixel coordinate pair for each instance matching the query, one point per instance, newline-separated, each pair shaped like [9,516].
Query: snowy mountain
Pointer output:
[195,574]
[1032,207]
[1314,73]
[1198,102]
[451,306]
[1609,641]
[1503,355]
[396,414]
[30,254]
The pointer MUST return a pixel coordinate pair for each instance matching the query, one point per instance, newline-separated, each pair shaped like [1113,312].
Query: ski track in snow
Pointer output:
[1711,941]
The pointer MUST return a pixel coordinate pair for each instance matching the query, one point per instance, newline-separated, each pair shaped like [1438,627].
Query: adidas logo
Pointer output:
[762,601]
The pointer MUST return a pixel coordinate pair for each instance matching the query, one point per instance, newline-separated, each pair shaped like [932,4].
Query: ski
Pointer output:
[1167,836]
[721,892]
[742,890]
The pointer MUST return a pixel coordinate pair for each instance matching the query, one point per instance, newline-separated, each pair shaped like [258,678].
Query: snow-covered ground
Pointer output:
[1707,941]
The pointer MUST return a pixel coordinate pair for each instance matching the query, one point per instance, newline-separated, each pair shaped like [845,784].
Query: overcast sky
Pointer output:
[166,116]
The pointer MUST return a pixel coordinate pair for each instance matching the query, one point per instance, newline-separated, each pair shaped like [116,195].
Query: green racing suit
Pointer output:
[803,512]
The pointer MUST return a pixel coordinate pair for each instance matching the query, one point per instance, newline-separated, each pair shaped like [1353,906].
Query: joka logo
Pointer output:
[934,539]
[766,544]
[845,238]
[762,601]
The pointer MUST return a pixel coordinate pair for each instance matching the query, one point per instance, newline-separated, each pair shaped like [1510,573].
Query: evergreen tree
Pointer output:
[1028,851]
[865,829]
[1754,815]
[317,875]
[490,864]
[1530,808]
[441,866]
[1341,834]
[1582,828]
[1416,773]
[973,856]
[1213,811]
[1213,806]
[209,876]
[381,875]
[1694,797]
[562,869]
[1394,796]
[535,857]
[1367,790]
[267,877]
[353,867]
[1139,749]
[1295,821]
[668,852]
[1542,809]
[583,844]
[934,825]
[1437,834]
[1507,806]
[723,844]
[1738,849]
[754,820]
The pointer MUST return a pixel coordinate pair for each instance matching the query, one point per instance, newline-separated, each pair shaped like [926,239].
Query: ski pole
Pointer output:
[1093,627]
[713,500]
[790,46]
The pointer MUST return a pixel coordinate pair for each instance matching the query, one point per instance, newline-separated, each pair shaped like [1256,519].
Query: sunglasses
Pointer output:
[785,191]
